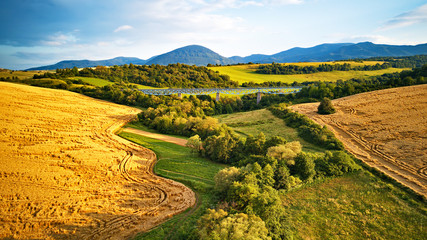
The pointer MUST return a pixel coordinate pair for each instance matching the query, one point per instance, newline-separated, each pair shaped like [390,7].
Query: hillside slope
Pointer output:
[64,174]
[202,56]
[190,55]
[386,129]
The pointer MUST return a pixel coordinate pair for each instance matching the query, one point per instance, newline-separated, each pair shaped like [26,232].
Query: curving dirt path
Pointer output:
[64,174]
[166,138]
[386,129]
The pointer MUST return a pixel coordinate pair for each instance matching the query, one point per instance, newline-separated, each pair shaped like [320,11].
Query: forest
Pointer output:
[173,75]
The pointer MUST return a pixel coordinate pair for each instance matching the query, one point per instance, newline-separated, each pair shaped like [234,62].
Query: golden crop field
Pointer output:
[386,129]
[64,174]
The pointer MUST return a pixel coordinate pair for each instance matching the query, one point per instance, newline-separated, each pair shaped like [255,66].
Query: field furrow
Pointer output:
[386,129]
[64,174]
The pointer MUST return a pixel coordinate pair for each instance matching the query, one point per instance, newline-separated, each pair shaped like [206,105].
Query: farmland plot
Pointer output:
[64,174]
[386,129]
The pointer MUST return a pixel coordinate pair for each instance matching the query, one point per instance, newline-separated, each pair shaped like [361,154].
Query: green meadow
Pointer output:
[93,81]
[254,122]
[354,206]
[246,73]
[19,74]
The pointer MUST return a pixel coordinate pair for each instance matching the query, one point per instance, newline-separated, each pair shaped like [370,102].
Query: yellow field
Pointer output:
[64,174]
[246,73]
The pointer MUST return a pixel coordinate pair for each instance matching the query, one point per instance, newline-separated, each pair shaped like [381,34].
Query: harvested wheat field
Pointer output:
[64,174]
[386,129]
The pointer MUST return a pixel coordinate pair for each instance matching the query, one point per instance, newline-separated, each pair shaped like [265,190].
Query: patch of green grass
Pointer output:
[19,74]
[94,81]
[246,73]
[254,122]
[355,206]
[178,163]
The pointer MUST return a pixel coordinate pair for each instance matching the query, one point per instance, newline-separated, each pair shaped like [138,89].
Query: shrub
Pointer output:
[325,107]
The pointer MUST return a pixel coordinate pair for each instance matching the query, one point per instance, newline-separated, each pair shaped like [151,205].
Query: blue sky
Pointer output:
[41,32]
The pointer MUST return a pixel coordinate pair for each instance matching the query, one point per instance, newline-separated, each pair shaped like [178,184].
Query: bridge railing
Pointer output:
[207,91]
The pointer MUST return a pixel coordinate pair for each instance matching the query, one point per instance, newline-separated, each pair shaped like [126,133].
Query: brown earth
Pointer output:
[386,129]
[64,174]
[166,138]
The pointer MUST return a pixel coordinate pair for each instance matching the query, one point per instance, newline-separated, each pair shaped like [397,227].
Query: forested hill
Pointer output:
[173,75]
[191,55]
[90,63]
[337,51]
[201,56]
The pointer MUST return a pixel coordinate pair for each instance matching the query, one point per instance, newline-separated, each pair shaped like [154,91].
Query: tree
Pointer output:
[274,141]
[216,225]
[195,143]
[282,180]
[304,166]
[255,145]
[336,163]
[325,107]
[267,175]
[225,178]
[285,152]
[220,148]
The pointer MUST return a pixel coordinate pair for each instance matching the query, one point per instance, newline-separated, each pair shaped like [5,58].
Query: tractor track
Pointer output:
[149,182]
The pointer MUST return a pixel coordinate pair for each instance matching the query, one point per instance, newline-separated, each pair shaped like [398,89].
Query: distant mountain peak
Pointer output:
[202,56]
[191,55]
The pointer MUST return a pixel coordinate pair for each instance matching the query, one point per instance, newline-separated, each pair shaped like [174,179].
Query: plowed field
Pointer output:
[64,174]
[386,129]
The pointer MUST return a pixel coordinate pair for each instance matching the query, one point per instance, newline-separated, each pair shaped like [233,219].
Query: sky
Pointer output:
[43,32]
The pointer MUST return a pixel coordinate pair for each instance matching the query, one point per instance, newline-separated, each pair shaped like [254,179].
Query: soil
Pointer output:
[166,138]
[64,174]
[386,129]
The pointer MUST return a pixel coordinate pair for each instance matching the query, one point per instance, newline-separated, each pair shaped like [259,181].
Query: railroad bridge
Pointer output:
[218,91]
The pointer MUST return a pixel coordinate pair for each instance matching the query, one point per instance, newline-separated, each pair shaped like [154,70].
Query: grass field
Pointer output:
[20,74]
[94,81]
[246,73]
[254,122]
[178,163]
[356,206]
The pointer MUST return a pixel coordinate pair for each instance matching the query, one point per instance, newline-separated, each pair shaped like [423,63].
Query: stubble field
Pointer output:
[64,174]
[386,129]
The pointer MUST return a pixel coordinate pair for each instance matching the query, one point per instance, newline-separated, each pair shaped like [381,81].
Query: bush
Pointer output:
[336,164]
[220,225]
[325,107]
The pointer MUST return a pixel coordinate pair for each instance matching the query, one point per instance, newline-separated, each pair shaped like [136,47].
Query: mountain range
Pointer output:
[202,56]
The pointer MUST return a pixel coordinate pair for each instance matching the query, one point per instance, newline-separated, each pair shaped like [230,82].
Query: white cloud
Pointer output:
[416,16]
[59,39]
[282,2]
[123,28]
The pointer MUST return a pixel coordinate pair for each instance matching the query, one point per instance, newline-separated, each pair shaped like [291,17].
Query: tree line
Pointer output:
[281,69]
[400,62]
[173,75]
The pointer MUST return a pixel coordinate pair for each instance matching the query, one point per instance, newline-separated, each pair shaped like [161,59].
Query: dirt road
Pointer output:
[64,174]
[178,141]
[386,129]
